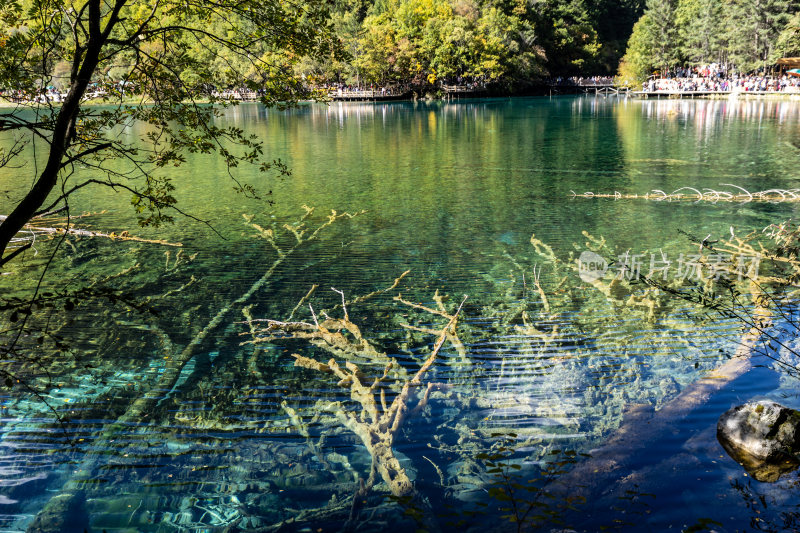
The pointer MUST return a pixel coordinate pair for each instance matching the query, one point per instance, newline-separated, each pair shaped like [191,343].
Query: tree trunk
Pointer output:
[59,143]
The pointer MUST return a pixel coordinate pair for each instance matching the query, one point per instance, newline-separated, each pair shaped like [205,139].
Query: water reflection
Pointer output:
[703,112]
[454,191]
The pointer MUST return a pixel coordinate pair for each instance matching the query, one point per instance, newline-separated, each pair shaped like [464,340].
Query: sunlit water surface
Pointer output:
[452,192]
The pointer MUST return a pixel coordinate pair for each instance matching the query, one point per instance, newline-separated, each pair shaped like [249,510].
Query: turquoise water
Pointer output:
[453,193]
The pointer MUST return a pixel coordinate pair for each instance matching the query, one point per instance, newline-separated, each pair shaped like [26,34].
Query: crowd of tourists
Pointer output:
[711,78]
[715,78]
[583,81]
[44,96]
[51,94]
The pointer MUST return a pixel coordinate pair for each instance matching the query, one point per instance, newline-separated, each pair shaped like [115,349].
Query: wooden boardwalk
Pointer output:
[585,88]
[466,91]
[368,95]
[239,95]
[611,90]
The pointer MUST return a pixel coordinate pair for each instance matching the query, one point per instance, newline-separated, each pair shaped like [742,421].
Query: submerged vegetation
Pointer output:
[415,366]
[295,428]
[415,361]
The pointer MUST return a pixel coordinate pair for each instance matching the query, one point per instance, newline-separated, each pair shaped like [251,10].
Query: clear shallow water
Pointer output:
[453,192]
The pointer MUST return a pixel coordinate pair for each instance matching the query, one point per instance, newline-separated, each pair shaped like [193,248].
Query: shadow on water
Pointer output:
[670,482]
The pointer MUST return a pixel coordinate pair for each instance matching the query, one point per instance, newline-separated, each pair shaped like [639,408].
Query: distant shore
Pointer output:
[5,103]
[639,95]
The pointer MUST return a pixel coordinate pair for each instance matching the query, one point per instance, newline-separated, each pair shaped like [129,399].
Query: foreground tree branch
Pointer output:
[161,56]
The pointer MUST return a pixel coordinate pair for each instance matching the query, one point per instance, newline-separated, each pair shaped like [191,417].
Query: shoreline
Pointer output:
[637,95]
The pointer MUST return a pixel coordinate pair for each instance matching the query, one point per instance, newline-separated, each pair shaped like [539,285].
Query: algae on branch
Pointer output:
[378,423]
[618,291]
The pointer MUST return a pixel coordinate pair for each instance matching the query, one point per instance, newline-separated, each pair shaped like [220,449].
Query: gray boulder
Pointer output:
[763,436]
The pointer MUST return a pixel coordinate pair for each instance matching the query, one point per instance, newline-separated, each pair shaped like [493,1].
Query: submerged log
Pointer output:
[379,421]
[60,228]
[642,426]
[139,412]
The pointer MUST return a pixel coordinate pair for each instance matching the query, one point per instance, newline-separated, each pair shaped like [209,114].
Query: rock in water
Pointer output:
[763,436]
[766,430]
[65,512]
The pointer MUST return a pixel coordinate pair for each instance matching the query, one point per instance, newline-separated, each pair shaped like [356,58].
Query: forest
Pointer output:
[419,43]
[744,35]
[512,42]
[510,45]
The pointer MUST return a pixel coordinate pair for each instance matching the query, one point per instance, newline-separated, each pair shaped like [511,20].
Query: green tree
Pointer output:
[426,41]
[346,20]
[613,21]
[751,29]
[698,23]
[745,34]
[164,55]
[376,48]
[496,44]
[661,33]
[788,42]
[637,63]
[568,36]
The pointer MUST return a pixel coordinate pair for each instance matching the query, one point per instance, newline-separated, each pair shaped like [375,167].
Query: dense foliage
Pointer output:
[151,61]
[509,41]
[417,42]
[743,35]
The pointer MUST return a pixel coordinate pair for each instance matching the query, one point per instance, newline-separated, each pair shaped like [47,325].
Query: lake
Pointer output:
[167,401]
